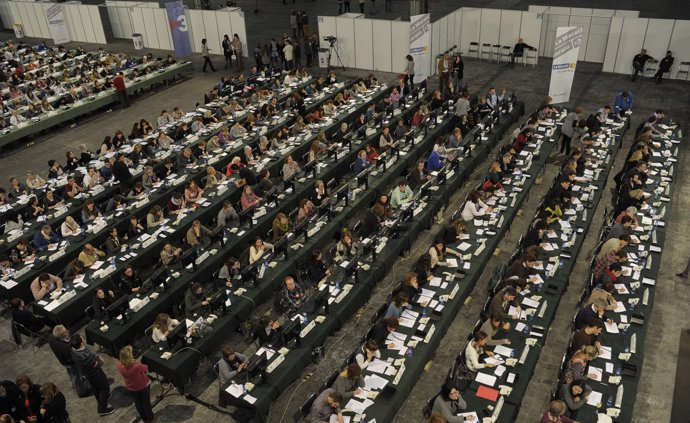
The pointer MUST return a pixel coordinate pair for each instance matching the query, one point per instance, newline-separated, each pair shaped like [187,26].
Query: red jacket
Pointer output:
[119,83]
[136,377]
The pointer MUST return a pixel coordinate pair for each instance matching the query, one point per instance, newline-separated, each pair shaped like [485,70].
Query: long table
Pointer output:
[528,334]
[89,105]
[638,285]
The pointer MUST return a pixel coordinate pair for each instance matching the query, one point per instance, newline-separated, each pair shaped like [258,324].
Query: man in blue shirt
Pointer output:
[434,162]
[623,102]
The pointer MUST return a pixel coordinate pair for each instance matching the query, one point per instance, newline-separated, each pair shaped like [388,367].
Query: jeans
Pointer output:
[207,62]
[101,388]
[142,402]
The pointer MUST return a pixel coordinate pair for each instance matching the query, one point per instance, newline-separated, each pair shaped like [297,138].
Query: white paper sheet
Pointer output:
[486,379]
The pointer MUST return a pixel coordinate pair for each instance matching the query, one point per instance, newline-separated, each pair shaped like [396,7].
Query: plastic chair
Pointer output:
[18,330]
[496,52]
[304,409]
[650,68]
[474,49]
[486,51]
[506,54]
[683,69]
[329,381]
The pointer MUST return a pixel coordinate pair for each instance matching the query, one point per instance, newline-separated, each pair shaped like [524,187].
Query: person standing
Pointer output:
[409,72]
[347,6]
[664,66]
[237,50]
[443,73]
[121,88]
[227,51]
[137,382]
[60,345]
[458,72]
[91,366]
[288,51]
[638,63]
[206,52]
[568,129]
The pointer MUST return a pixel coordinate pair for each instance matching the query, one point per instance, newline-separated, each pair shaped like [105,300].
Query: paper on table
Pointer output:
[464,246]
[530,302]
[594,398]
[605,353]
[358,407]
[334,419]
[52,306]
[620,307]
[250,399]
[496,359]
[435,281]
[513,311]
[407,323]
[500,370]
[9,284]
[452,262]
[377,366]
[611,327]
[473,415]
[519,326]
[504,351]
[374,382]
[235,390]
[486,379]
[609,367]
[596,372]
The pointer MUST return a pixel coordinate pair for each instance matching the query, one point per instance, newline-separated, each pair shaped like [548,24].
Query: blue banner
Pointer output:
[178,28]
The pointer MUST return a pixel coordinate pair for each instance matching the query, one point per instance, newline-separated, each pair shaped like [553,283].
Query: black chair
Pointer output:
[304,409]
[329,381]
[18,330]
[379,313]
[90,313]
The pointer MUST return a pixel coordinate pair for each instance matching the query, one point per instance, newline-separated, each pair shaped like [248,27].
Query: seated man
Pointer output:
[326,405]
[231,364]
[519,49]
[382,329]
[45,238]
[24,317]
[402,195]
[194,300]
[170,255]
[291,296]
[266,330]
[44,285]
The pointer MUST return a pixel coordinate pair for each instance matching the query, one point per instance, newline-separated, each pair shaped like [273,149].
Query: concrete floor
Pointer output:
[591,89]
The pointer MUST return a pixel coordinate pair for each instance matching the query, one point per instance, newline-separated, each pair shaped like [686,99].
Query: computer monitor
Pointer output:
[281,246]
[249,274]
[218,302]
[310,167]
[176,335]
[256,369]
[362,132]
[118,308]
[289,335]
[319,300]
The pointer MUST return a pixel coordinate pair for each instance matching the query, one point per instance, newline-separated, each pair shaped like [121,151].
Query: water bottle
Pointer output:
[627,349]
[618,371]
[461,260]
[112,261]
[305,316]
[244,389]
[526,330]
[519,176]
[337,284]
[409,354]
[423,311]
[560,264]
[609,401]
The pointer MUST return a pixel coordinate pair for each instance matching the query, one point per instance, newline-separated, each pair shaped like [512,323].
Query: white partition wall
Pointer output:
[83,21]
[212,25]
[470,24]
[367,43]
[632,40]
[680,44]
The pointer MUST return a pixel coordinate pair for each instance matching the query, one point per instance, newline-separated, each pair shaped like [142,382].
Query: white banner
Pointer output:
[420,45]
[56,23]
[566,49]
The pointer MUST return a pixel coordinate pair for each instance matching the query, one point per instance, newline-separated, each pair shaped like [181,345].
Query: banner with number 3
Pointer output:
[178,28]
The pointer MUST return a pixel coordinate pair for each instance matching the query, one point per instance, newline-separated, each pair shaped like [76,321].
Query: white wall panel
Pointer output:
[490,26]
[382,45]
[612,44]
[597,39]
[530,29]
[14,12]
[85,22]
[557,16]
[400,46]
[26,20]
[632,41]
[627,13]
[435,48]
[97,24]
[211,30]
[658,37]
[584,22]
[680,44]
[471,20]
[196,24]
[345,30]
[450,35]
[77,32]
[139,24]
[510,27]
[605,13]
[224,27]
[364,55]
[326,28]
[458,31]
[40,19]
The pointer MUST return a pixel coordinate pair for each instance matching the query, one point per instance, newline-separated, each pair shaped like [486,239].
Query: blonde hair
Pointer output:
[127,356]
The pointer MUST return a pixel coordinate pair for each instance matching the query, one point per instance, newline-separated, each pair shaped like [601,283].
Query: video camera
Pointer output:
[331,39]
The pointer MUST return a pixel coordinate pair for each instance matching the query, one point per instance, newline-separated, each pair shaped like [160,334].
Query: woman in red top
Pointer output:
[29,400]
[371,153]
[137,382]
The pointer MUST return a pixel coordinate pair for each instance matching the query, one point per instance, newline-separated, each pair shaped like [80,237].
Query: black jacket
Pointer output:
[121,172]
[56,410]
[62,350]
[28,320]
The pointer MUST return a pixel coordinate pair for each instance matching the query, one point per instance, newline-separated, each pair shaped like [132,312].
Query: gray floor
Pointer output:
[591,89]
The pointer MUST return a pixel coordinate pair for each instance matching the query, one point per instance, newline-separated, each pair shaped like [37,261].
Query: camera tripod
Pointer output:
[332,48]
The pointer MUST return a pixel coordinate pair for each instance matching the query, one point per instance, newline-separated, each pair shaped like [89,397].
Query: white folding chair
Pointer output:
[531,56]
[474,50]
[486,51]
[683,71]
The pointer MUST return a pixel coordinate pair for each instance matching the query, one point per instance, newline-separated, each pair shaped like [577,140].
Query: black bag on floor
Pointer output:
[242,415]
[83,387]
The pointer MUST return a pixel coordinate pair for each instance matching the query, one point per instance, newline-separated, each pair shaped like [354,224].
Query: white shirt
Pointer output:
[361,360]
[472,358]
[288,51]
[472,210]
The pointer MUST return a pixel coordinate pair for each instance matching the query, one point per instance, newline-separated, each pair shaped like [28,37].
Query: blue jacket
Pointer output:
[623,104]
[434,162]
[360,165]
[41,243]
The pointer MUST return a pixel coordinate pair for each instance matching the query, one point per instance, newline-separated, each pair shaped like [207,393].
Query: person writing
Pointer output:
[326,405]
[44,285]
[231,364]
[401,196]
[349,381]
[163,325]
[475,348]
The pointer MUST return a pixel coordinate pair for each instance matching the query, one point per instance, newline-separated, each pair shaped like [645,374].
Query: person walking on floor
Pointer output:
[205,51]
[121,88]
[409,72]
[137,383]
[227,51]
[91,366]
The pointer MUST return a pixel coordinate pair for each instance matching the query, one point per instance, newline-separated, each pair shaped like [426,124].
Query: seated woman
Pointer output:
[164,323]
[290,167]
[170,255]
[346,248]
[281,226]
[70,227]
[257,249]
[90,212]
[192,192]
[395,308]
[197,234]
[372,154]
[229,273]
[213,177]
[306,209]
[449,404]
[454,232]
[475,348]
[102,299]
[130,282]
[52,200]
[317,269]
[474,207]
[349,382]
[385,202]
[177,204]
[249,199]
